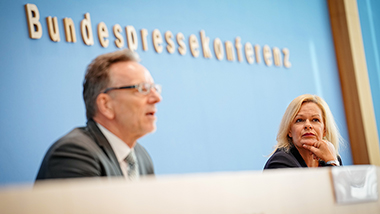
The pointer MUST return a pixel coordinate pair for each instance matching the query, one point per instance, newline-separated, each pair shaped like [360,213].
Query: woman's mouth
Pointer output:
[308,135]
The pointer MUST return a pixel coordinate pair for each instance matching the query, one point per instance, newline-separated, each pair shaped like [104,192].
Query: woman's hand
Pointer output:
[322,149]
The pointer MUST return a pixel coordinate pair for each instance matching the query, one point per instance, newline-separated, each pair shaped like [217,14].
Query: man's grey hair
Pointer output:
[97,77]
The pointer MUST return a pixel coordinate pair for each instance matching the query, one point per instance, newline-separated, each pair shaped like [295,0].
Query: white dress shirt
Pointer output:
[119,147]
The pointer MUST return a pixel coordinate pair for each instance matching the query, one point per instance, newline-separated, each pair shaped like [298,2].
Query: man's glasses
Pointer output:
[143,88]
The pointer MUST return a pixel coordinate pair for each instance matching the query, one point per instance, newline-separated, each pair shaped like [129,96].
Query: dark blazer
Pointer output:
[291,159]
[85,152]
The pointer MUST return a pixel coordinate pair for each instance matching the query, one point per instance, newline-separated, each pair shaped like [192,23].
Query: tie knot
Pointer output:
[131,158]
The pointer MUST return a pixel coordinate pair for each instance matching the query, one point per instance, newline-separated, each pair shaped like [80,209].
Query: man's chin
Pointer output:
[151,129]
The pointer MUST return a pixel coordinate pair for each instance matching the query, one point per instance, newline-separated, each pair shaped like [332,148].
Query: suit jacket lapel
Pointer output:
[103,143]
[298,156]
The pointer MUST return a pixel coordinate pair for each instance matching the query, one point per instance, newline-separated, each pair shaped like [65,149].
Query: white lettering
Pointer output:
[168,38]
[53,29]
[144,40]
[103,34]
[267,55]
[69,30]
[157,40]
[33,18]
[131,38]
[218,49]
[86,30]
[229,51]
[205,45]
[252,53]
[193,43]
[119,41]
[238,49]
[181,43]
[286,52]
[257,53]
[276,56]
[249,52]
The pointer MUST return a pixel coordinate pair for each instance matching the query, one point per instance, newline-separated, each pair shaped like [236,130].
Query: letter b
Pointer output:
[33,17]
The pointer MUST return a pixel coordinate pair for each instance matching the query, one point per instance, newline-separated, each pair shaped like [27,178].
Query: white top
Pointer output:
[120,148]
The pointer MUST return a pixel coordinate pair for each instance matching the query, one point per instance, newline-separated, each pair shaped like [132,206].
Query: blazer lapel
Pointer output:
[103,143]
[298,156]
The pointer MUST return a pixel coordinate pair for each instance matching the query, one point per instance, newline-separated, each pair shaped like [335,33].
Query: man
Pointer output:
[120,97]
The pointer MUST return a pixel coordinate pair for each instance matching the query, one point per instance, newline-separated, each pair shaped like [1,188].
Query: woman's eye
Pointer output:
[298,120]
[316,120]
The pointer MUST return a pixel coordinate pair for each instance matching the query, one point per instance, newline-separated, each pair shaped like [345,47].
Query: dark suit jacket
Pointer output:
[85,152]
[291,159]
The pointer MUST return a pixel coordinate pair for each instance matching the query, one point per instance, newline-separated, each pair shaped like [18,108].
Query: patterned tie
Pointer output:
[133,170]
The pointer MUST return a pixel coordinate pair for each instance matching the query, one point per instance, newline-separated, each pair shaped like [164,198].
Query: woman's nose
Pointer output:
[307,125]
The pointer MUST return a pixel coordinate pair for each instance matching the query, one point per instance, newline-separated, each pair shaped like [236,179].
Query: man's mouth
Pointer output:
[152,113]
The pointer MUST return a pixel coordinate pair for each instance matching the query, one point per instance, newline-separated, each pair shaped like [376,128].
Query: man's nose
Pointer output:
[154,96]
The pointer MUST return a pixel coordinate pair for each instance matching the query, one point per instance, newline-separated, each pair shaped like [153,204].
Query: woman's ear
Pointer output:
[105,107]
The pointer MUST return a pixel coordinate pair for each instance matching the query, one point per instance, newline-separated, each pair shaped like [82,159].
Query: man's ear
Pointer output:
[104,104]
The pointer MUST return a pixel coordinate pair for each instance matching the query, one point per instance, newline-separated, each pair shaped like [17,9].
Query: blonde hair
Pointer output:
[331,129]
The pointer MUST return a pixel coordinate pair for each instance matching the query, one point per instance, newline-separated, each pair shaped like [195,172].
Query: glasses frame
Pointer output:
[139,87]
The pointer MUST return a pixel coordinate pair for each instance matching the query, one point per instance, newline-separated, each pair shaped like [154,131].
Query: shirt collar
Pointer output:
[120,148]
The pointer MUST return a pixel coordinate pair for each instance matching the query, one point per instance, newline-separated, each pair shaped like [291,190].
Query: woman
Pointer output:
[307,137]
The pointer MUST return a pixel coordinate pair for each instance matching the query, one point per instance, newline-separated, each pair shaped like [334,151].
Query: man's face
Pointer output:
[134,112]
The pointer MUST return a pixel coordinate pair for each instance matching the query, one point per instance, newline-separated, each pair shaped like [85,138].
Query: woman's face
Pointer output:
[308,125]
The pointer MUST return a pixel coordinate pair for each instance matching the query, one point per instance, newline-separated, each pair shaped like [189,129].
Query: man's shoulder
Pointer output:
[77,154]
[76,133]
[144,160]
[138,146]
[79,136]
[141,151]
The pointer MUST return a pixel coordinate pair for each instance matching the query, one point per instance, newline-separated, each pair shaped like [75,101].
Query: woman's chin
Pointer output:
[306,141]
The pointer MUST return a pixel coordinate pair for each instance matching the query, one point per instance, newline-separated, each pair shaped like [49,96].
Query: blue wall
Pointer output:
[369,12]
[215,115]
